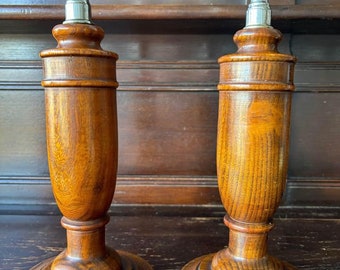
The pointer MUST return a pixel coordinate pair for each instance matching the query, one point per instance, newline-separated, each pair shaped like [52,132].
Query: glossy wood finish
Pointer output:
[252,148]
[81,130]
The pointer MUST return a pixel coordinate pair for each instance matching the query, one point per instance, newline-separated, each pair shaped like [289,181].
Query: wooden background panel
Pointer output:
[315,192]
[155,47]
[171,133]
[171,76]
[187,2]
[127,2]
[317,77]
[175,26]
[146,2]
[167,133]
[146,138]
[283,10]
[315,2]
[314,48]
[175,46]
[315,133]
[307,48]
[24,47]
[159,133]
[22,133]
[22,194]
[167,108]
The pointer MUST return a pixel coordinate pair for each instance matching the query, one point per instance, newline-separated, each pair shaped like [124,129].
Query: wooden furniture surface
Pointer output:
[303,239]
[167,116]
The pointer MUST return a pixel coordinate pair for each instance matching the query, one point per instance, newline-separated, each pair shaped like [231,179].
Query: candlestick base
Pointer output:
[128,261]
[225,261]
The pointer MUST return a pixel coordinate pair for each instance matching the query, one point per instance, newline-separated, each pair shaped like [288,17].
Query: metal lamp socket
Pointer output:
[77,11]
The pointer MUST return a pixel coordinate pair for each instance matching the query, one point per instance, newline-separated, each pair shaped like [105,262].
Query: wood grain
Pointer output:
[82,150]
[252,147]
[252,153]
[81,135]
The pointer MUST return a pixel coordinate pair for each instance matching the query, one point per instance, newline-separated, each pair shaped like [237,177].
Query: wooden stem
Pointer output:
[83,236]
[246,241]
[252,147]
[82,143]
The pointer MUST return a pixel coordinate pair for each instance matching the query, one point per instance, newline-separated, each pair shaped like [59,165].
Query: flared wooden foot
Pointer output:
[128,262]
[133,262]
[203,262]
[224,261]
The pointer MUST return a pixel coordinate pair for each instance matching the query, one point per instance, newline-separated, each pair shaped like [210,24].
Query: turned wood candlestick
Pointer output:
[81,129]
[252,147]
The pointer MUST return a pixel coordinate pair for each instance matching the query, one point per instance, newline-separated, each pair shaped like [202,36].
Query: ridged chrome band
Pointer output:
[258,14]
[77,11]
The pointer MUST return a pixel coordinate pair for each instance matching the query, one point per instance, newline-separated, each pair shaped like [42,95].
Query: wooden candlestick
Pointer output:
[81,128]
[252,147]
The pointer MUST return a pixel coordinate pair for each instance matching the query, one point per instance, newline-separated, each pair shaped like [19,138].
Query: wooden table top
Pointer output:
[168,237]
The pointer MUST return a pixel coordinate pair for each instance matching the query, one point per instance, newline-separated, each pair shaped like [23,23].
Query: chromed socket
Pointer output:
[77,11]
[258,14]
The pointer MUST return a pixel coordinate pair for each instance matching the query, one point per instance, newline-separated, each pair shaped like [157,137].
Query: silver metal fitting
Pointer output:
[258,14]
[77,11]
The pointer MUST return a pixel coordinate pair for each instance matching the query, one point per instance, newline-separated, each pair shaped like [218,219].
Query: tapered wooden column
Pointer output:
[252,146]
[81,129]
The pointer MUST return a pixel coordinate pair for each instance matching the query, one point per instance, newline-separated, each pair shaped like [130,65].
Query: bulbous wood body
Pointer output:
[82,150]
[81,130]
[252,148]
